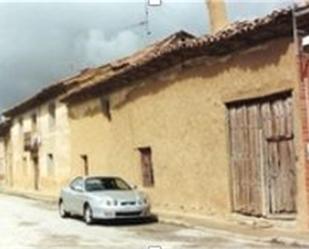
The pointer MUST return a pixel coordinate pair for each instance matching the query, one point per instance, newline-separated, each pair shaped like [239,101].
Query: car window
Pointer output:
[121,184]
[77,183]
[101,184]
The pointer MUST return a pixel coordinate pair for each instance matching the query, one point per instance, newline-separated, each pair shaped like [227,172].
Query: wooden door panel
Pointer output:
[281,177]
[280,170]
[245,159]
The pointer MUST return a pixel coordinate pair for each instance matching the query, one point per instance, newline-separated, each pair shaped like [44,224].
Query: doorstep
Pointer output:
[238,231]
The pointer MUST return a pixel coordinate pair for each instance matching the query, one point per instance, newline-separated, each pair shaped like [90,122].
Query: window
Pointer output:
[105,105]
[85,164]
[34,122]
[147,167]
[50,164]
[21,132]
[21,124]
[25,165]
[52,115]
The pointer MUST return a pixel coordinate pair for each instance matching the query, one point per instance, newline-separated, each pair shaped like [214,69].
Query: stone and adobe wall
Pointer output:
[304,109]
[181,115]
[53,154]
[2,161]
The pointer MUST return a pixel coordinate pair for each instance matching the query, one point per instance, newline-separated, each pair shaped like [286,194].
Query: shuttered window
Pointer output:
[147,167]
[52,116]
[50,164]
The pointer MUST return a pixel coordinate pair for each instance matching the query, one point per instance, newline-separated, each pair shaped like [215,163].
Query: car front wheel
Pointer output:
[88,218]
[62,212]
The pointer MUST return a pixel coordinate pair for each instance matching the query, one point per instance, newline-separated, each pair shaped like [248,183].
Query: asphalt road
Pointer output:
[29,224]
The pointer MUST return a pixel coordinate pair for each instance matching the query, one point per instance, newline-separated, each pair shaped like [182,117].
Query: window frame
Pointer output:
[50,160]
[52,115]
[147,169]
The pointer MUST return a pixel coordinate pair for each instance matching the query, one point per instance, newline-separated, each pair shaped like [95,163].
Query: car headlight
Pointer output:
[111,203]
[142,201]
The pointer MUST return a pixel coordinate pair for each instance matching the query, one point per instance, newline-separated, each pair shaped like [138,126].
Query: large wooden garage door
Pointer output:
[262,156]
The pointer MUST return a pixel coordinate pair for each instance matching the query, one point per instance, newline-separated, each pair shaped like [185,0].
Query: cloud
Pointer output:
[245,9]
[96,48]
[42,43]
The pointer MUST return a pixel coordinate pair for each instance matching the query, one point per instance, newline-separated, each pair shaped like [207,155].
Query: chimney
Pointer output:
[217,15]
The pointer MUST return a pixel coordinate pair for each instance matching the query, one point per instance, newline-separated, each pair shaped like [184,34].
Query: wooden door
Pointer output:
[280,156]
[262,156]
[36,173]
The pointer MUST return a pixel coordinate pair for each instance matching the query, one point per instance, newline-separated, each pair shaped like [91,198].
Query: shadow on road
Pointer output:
[128,222]
[123,222]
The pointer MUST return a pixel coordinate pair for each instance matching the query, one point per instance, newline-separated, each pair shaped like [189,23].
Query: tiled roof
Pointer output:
[235,29]
[234,37]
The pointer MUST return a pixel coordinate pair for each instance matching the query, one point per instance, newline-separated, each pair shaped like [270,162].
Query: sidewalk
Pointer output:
[242,232]
[30,195]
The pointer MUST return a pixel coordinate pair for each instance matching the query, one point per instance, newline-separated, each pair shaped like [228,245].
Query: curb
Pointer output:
[214,231]
[269,240]
[31,196]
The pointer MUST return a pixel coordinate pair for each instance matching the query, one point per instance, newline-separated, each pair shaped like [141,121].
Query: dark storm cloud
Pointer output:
[43,42]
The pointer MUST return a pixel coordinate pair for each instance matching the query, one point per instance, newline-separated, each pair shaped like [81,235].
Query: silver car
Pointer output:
[102,198]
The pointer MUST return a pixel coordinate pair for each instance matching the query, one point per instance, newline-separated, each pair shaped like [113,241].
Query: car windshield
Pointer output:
[101,184]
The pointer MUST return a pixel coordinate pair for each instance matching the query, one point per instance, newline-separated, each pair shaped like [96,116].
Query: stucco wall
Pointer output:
[2,160]
[53,141]
[181,115]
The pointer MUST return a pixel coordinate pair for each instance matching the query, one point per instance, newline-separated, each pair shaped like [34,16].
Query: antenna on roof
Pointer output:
[147,29]
[149,3]
[145,23]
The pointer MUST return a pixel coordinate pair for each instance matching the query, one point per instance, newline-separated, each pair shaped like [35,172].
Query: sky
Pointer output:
[42,42]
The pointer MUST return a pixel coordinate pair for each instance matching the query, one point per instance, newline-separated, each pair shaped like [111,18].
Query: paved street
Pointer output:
[32,224]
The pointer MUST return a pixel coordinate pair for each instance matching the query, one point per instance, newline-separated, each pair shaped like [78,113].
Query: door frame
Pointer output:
[264,155]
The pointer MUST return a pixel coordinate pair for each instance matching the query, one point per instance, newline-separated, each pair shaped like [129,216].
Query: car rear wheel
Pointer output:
[88,218]
[62,212]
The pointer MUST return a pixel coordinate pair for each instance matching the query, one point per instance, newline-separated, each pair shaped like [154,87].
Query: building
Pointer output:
[4,150]
[209,126]
[39,147]
[301,37]
[39,133]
